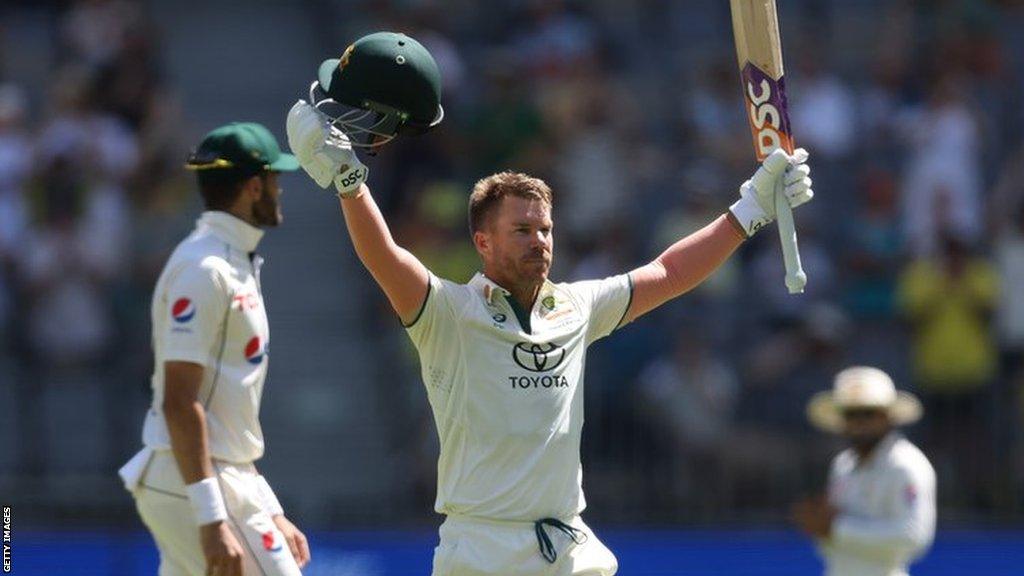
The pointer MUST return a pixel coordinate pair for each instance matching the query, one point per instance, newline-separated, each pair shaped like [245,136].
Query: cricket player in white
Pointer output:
[879,514]
[194,483]
[503,356]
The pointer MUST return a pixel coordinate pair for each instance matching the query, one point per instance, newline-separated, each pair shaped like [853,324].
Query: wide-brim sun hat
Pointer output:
[862,387]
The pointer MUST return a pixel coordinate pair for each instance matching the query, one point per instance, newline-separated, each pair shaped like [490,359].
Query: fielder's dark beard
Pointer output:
[267,211]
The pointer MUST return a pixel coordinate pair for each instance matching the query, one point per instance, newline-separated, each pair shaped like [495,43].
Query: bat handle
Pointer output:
[796,279]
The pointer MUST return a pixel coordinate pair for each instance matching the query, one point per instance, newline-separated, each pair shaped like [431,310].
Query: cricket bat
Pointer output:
[755,26]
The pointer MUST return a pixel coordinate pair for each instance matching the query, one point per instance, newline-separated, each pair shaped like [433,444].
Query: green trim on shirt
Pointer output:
[629,302]
[422,306]
[522,315]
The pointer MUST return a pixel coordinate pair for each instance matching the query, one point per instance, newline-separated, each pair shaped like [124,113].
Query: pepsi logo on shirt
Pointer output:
[270,542]
[254,351]
[183,310]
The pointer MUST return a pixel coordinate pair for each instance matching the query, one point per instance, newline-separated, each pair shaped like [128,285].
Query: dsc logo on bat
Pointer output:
[768,119]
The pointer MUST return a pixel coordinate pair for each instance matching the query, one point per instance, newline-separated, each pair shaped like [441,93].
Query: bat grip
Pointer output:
[796,279]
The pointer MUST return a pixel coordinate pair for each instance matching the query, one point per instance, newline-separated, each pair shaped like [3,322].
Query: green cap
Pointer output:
[390,73]
[239,150]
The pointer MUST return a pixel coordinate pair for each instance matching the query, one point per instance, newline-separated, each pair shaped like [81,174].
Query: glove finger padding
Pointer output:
[321,170]
[797,179]
[798,195]
[799,156]
[765,177]
[795,173]
[305,128]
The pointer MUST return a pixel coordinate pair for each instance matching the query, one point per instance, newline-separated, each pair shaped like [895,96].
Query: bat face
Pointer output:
[759,55]
[766,110]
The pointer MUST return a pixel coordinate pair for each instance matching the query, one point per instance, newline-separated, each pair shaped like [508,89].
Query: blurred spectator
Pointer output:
[715,115]
[554,41]
[949,300]
[591,168]
[689,394]
[824,117]
[1007,221]
[692,394]
[66,274]
[1007,198]
[942,180]
[1008,407]
[505,125]
[788,364]
[94,31]
[874,251]
[15,165]
[436,232]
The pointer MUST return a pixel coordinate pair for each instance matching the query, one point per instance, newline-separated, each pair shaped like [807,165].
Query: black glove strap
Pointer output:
[547,548]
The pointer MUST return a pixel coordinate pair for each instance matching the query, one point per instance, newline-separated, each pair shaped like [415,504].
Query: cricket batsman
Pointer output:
[502,356]
[194,483]
[879,513]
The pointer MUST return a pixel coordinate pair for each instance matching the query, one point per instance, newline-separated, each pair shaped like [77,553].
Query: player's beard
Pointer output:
[267,210]
[531,269]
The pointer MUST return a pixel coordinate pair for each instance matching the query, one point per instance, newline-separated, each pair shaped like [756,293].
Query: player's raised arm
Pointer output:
[400,274]
[689,261]
[326,154]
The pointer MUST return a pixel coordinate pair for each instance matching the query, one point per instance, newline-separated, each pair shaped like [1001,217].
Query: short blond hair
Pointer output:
[488,193]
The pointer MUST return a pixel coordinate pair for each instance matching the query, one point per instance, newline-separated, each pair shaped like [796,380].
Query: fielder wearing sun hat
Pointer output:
[877,513]
[861,387]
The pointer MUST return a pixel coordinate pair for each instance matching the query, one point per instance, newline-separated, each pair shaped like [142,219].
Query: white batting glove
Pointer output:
[324,151]
[756,206]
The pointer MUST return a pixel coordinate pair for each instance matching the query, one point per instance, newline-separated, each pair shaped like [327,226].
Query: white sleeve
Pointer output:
[435,321]
[197,304]
[606,302]
[435,333]
[902,536]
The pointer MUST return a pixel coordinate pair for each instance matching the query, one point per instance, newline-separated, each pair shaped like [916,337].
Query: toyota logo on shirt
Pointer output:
[538,357]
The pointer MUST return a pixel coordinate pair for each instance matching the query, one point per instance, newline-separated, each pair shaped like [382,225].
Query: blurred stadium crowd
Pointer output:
[914,245]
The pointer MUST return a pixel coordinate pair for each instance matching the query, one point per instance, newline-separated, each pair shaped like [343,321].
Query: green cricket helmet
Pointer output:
[385,84]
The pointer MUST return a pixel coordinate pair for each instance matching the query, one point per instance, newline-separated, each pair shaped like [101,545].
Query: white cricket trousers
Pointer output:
[164,507]
[480,547]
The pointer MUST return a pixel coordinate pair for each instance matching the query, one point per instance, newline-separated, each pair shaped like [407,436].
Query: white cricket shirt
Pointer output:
[508,404]
[208,309]
[886,510]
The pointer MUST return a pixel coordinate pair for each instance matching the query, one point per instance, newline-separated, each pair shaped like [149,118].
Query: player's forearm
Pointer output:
[187,427]
[400,274]
[683,265]
[186,420]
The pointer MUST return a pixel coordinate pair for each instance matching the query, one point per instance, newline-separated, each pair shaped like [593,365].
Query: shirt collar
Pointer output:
[490,289]
[487,287]
[233,230]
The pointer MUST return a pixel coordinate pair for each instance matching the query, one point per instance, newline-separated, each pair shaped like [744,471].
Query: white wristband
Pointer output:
[207,501]
[749,214]
[267,498]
